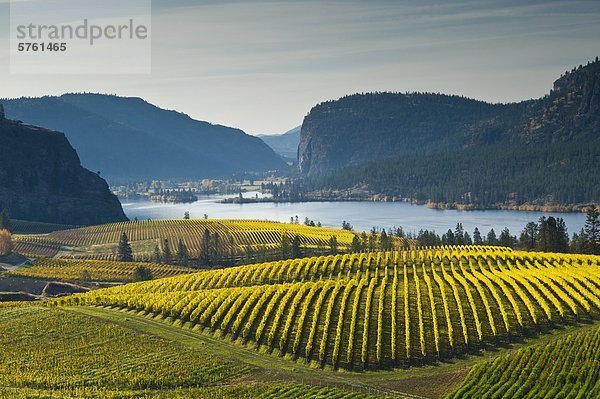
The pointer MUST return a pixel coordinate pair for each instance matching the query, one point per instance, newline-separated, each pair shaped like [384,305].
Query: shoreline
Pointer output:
[527,207]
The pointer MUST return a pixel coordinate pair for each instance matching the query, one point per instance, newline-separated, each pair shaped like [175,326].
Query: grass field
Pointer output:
[376,310]
[55,353]
[236,237]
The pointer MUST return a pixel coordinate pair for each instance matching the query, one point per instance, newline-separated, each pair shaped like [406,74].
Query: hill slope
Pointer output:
[396,144]
[285,144]
[379,309]
[131,139]
[41,179]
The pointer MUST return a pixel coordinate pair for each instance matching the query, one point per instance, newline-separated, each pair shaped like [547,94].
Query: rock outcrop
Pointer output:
[41,179]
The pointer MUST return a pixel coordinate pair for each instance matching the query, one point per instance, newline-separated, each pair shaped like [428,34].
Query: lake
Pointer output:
[361,215]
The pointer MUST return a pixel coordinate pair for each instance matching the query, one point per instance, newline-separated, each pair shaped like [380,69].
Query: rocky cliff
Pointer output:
[41,179]
[377,126]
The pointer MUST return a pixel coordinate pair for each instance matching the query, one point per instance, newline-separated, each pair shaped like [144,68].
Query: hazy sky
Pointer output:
[262,65]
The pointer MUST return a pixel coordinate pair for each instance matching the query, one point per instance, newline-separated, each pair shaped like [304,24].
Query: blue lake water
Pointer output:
[362,215]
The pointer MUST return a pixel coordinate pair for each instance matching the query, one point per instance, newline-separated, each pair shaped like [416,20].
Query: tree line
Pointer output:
[548,234]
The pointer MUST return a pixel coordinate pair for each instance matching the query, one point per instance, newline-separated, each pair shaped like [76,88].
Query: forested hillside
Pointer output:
[456,150]
[128,138]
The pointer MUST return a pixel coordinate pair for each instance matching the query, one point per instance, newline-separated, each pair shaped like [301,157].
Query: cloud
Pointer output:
[261,65]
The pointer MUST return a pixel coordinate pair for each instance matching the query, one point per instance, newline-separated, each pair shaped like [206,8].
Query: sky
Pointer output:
[262,65]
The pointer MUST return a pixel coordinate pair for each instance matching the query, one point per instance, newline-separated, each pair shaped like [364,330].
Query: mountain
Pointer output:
[41,179]
[128,138]
[457,150]
[285,144]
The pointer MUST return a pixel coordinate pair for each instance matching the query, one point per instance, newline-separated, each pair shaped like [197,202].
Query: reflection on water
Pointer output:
[362,215]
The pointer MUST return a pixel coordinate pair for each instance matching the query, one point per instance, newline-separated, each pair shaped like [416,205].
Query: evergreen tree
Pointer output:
[182,254]
[385,243]
[491,238]
[217,249]
[296,252]
[186,215]
[157,254]
[459,234]
[528,238]
[167,256]
[592,230]
[477,240]
[428,238]
[125,252]
[467,239]
[552,235]
[346,226]
[356,245]
[506,240]
[5,222]
[285,246]
[204,255]
[449,238]
[562,236]
[364,241]
[579,243]
[141,273]
[333,245]
[249,254]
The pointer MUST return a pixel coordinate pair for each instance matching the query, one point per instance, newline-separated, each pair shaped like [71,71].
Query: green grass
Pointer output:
[89,353]
[48,348]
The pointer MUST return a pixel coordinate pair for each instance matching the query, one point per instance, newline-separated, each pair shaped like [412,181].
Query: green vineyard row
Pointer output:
[236,237]
[377,309]
[565,368]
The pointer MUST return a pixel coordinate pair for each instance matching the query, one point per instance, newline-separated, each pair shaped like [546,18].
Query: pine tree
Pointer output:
[141,273]
[157,254]
[579,243]
[182,254]
[285,246]
[491,238]
[333,245]
[204,255]
[449,238]
[356,245]
[385,244]
[477,240]
[528,238]
[216,249]
[459,234]
[506,240]
[5,222]
[125,252]
[467,239]
[592,230]
[296,253]
[167,256]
